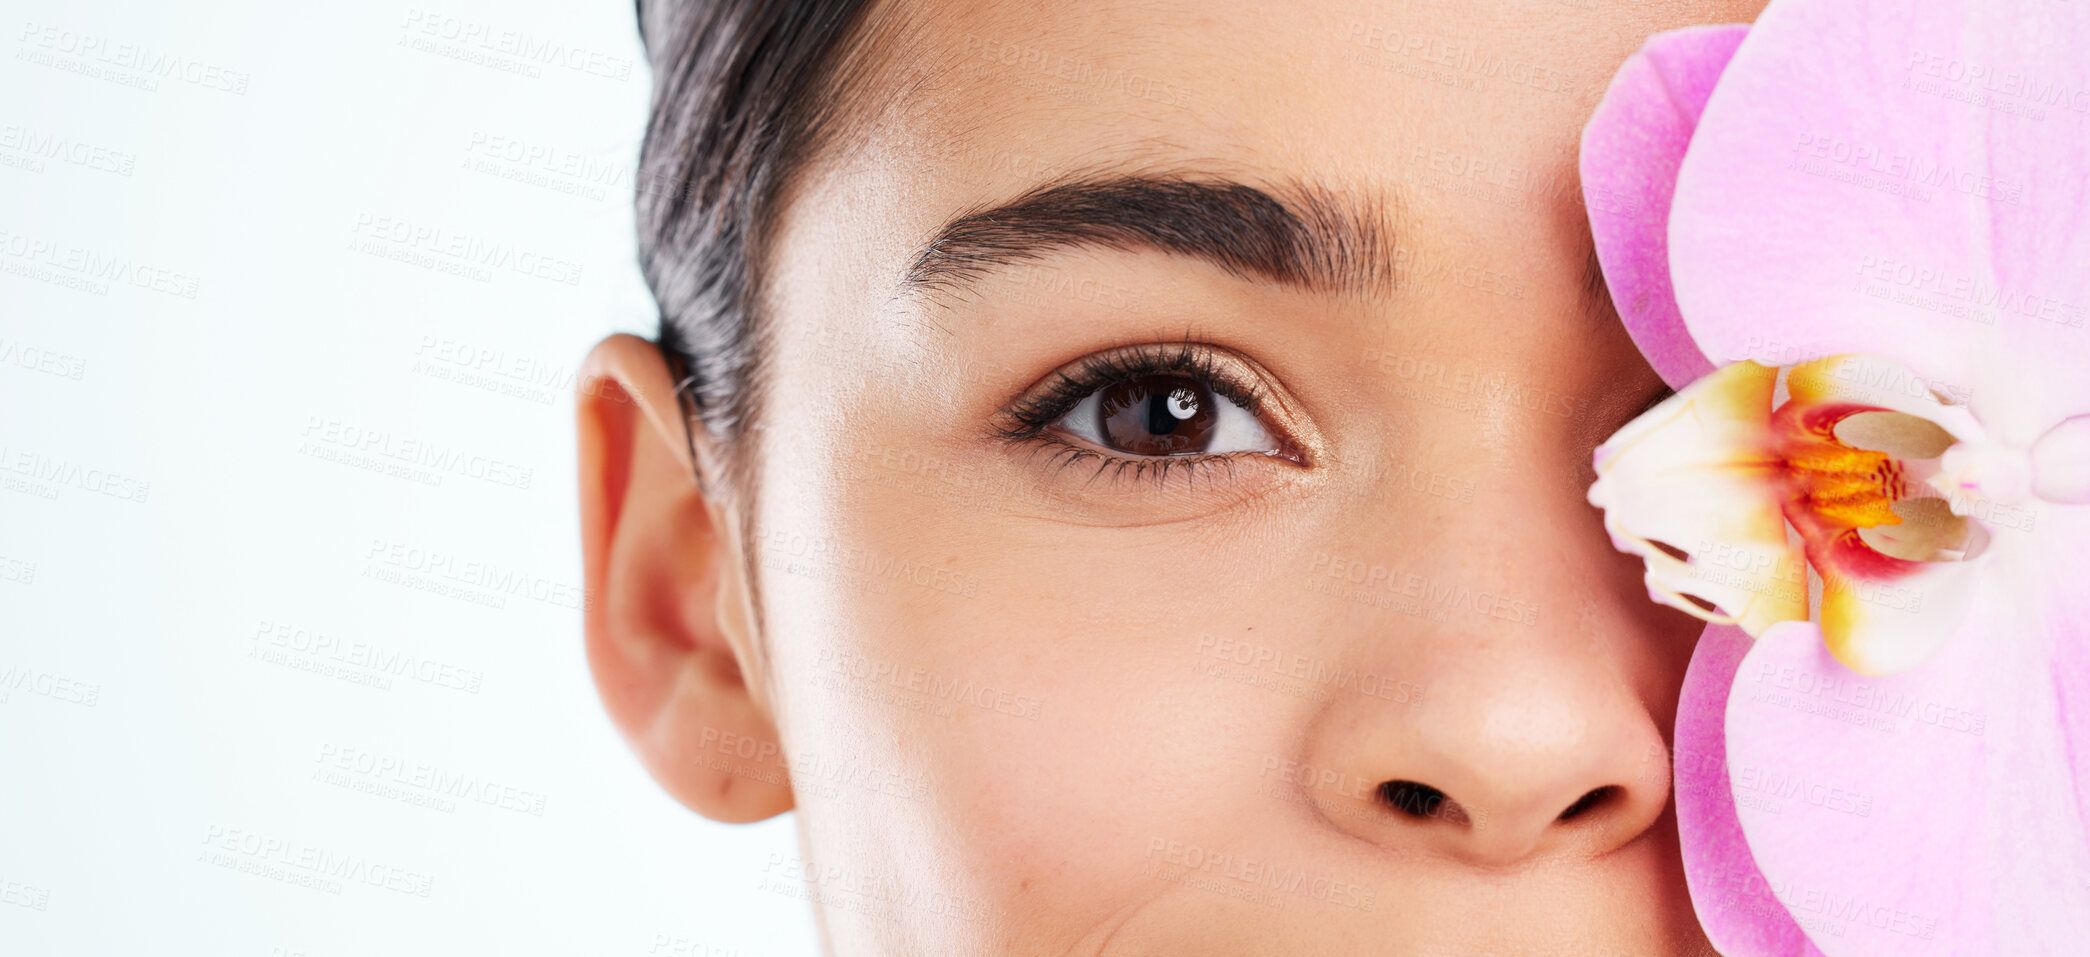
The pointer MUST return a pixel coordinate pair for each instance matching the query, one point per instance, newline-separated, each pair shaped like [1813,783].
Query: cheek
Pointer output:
[1002,710]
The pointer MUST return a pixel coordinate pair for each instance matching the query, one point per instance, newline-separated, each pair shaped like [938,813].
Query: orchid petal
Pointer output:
[1689,488]
[2061,462]
[1904,177]
[1937,810]
[1878,626]
[1734,902]
[1878,381]
[1630,153]
[1928,532]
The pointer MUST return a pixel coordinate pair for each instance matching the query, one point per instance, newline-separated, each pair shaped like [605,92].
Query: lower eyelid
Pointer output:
[1153,468]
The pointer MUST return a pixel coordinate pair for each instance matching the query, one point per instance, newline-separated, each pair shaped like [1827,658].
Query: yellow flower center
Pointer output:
[1853,488]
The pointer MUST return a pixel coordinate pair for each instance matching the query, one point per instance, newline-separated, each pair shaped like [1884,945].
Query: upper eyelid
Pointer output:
[1043,403]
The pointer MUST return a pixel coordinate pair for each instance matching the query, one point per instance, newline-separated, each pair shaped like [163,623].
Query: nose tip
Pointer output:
[1499,778]
[1502,835]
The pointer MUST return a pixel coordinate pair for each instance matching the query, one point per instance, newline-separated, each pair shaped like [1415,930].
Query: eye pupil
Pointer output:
[1157,415]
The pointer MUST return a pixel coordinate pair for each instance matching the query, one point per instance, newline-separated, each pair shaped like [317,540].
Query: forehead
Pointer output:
[1464,116]
[1356,91]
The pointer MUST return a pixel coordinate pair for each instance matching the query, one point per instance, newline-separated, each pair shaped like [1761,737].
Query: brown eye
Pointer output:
[1162,414]
[1157,415]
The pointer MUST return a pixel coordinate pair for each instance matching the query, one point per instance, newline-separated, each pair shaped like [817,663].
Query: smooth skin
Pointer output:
[1027,705]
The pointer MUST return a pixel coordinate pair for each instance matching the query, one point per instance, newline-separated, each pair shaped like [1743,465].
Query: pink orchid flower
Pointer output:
[1855,237]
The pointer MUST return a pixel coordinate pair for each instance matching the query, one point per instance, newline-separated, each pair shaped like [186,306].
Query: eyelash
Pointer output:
[1030,418]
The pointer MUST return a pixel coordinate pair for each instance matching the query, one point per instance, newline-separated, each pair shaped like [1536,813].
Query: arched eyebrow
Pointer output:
[1315,239]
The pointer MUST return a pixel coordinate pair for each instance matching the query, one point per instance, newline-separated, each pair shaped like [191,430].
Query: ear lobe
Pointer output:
[669,639]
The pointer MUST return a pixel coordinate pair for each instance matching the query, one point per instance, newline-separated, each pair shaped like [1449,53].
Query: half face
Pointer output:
[1169,524]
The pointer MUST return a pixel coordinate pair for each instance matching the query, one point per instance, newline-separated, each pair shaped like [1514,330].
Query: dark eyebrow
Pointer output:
[1312,240]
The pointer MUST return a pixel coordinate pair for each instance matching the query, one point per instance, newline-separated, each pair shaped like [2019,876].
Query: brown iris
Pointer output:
[1157,415]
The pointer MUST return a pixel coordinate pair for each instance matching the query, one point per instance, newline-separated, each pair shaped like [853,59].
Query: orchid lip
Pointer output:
[1758,495]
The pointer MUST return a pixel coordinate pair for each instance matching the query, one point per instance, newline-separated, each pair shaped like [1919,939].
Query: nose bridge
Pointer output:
[1499,510]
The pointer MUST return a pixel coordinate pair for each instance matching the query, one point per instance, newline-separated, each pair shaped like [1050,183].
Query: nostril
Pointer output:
[1413,799]
[1589,802]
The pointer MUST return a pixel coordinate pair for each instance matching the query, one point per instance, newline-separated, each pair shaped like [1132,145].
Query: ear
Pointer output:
[669,631]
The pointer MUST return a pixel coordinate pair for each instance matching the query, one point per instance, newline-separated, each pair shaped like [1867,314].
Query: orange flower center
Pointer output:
[1852,488]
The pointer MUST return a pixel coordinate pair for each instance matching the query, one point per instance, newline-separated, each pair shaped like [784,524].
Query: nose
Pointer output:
[1506,755]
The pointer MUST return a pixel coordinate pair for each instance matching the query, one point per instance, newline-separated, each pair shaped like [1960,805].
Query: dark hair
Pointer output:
[744,92]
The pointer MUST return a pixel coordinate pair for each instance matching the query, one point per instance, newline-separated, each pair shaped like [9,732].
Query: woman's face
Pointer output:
[1193,558]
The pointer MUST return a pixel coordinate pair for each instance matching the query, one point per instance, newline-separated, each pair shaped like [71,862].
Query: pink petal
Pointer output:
[1907,178]
[1734,902]
[1937,810]
[2064,620]
[1630,153]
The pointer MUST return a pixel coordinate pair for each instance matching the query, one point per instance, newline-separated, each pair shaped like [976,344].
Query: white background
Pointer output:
[313,282]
